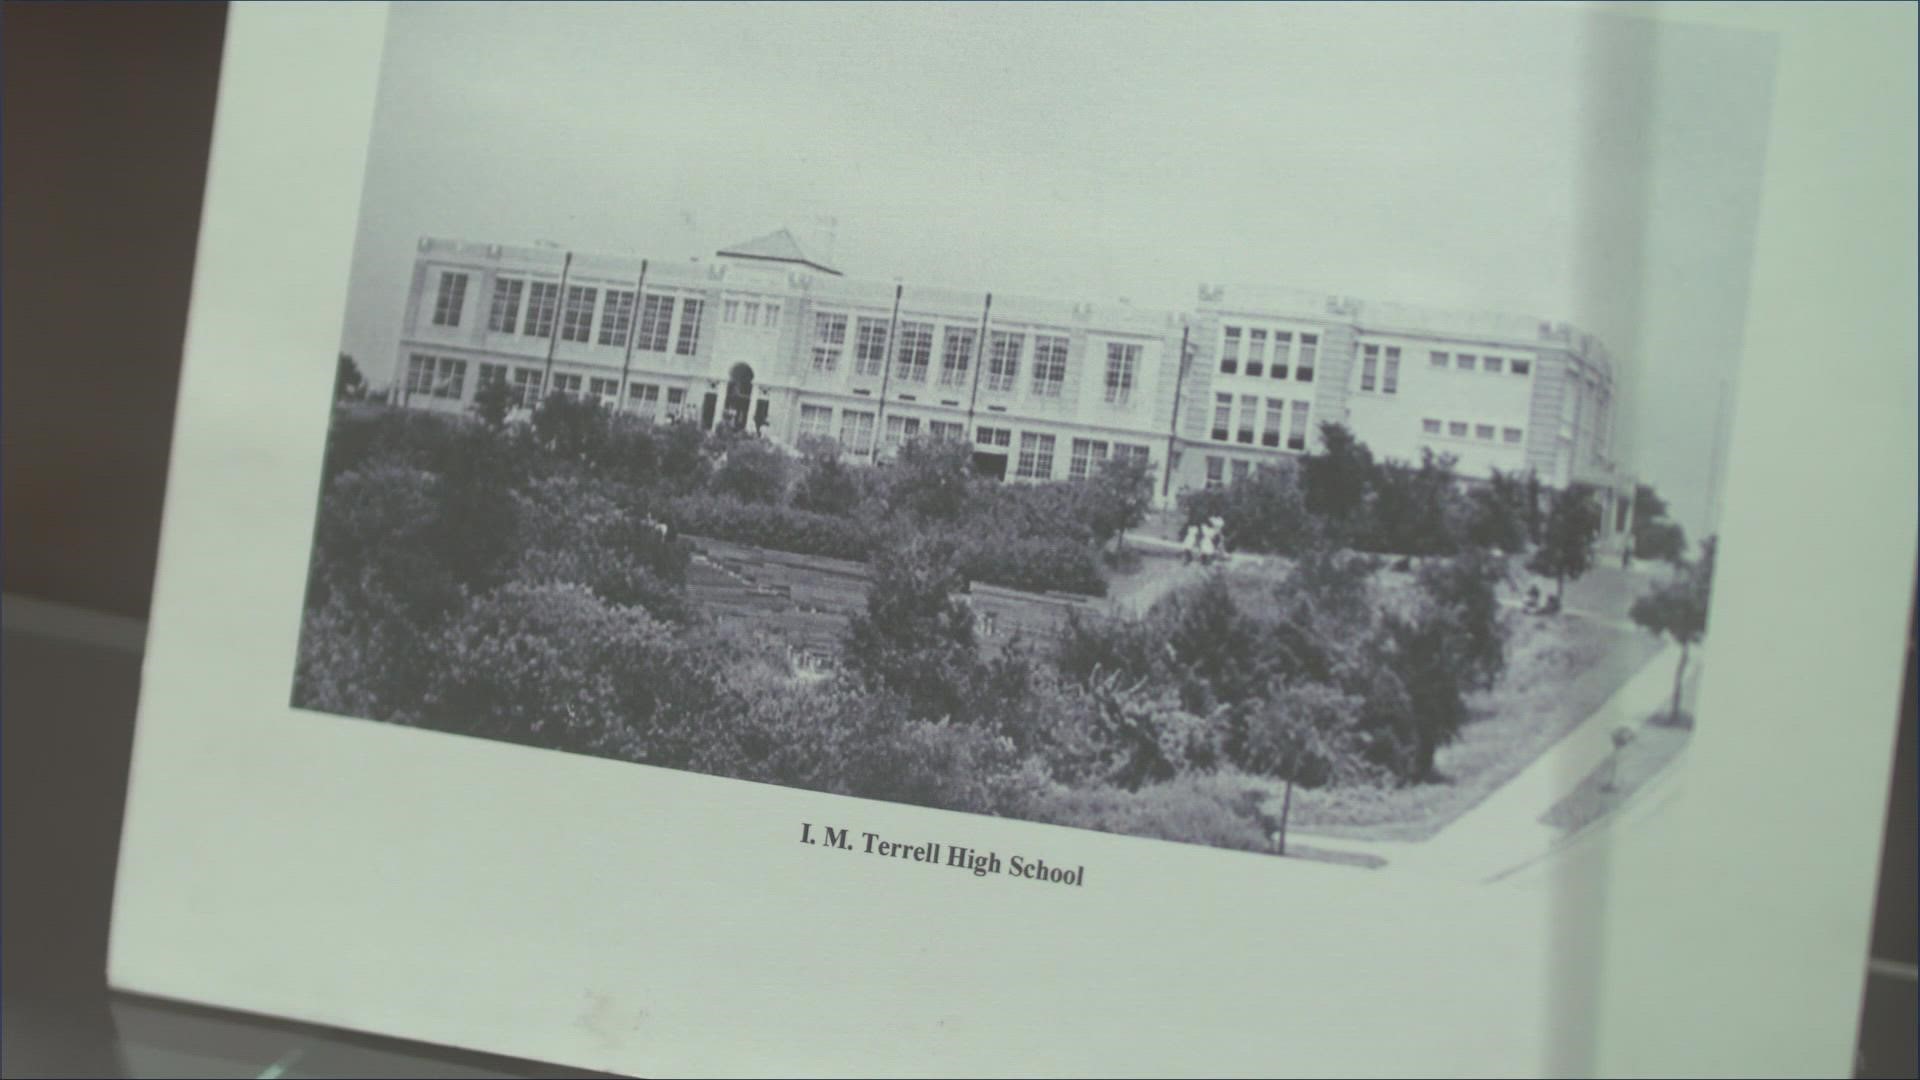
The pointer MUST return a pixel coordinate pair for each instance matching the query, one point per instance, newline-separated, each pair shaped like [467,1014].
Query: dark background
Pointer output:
[108,111]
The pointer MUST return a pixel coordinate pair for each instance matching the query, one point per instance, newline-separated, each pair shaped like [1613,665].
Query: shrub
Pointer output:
[1034,564]
[377,531]
[1116,498]
[554,666]
[572,428]
[930,478]
[916,635]
[828,486]
[752,471]
[1220,810]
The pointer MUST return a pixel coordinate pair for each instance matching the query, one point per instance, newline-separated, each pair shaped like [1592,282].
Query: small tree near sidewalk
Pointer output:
[1677,609]
[1566,542]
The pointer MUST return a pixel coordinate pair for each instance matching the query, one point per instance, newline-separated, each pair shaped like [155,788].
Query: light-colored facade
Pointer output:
[764,337]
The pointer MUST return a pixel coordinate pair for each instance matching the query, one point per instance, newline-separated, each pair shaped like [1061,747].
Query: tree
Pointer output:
[916,635]
[1334,482]
[348,385]
[1302,733]
[1411,509]
[1116,498]
[1497,513]
[930,477]
[492,401]
[1677,609]
[754,471]
[1567,539]
[1654,535]
[828,486]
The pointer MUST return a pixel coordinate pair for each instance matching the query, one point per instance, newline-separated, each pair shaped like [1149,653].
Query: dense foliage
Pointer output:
[529,582]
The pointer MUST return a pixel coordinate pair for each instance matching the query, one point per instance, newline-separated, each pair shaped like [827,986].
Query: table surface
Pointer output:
[70,692]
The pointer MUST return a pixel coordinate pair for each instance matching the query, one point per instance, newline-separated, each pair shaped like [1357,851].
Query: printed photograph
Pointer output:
[1296,430]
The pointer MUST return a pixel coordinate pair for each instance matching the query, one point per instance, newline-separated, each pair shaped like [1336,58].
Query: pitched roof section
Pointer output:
[775,247]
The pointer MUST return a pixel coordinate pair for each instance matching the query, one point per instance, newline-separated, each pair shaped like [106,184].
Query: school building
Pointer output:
[764,336]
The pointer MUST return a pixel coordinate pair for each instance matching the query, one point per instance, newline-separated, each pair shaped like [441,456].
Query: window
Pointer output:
[1437,359]
[829,341]
[1240,470]
[1511,435]
[1521,367]
[490,374]
[606,390]
[1222,416]
[1003,361]
[1216,471]
[1464,361]
[1309,352]
[1256,352]
[1276,419]
[946,429]
[689,342]
[1369,366]
[453,296]
[1457,429]
[1297,437]
[901,428]
[753,313]
[1492,363]
[1282,353]
[1086,453]
[543,300]
[915,348]
[870,347]
[1431,427]
[1049,365]
[731,310]
[566,385]
[816,421]
[956,356]
[1230,352]
[616,317]
[576,322]
[773,315]
[1483,431]
[505,312]
[441,377]
[1249,413]
[1123,362]
[856,431]
[676,402]
[988,436]
[1036,457]
[1390,377]
[1124,451]
[643,399]
[656,316]
[526,387]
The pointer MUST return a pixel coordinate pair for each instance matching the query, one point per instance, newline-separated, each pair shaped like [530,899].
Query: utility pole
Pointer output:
[886,373]
[633,328]
[979,351]
[553,332]
[1173,426]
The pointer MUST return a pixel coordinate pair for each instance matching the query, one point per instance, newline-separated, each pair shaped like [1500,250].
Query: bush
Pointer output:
[915,637]
[554,666]
[1219,810]
[753,471]
[573,428]
[1033,564]
[377,531]
[931,478]
[828,486]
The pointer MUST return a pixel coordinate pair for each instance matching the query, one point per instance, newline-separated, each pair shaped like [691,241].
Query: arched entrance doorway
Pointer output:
[739,396]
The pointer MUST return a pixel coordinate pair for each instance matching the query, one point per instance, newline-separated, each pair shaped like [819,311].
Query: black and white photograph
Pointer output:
[1294,430]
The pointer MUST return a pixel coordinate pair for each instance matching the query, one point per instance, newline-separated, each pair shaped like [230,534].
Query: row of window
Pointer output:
[913,356]
[1493,365]
[762,314]
[1217,470]
[530,308]
[1270,434]
[1283,362]
[1461,429]
[1034,460]
[445,377]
